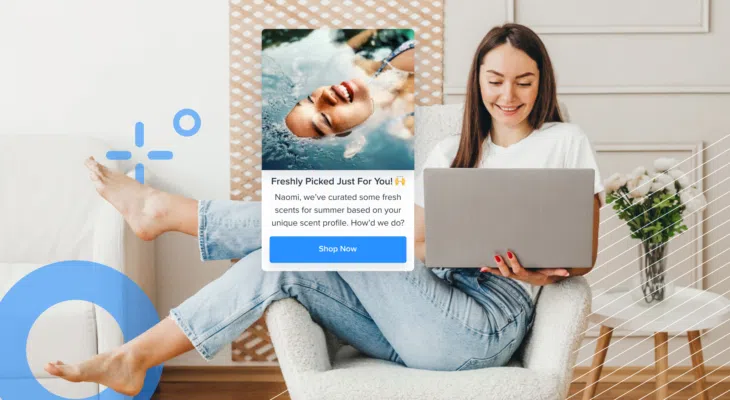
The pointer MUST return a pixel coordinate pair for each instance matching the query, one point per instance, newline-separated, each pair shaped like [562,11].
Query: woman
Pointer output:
[443,319]
[337,109]
[511,120]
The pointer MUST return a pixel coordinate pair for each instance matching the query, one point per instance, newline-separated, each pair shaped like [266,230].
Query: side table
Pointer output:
[686,310]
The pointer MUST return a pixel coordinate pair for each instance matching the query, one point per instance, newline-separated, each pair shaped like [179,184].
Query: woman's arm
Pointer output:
[361,38]
[405,61]
[420,234]
[355,42]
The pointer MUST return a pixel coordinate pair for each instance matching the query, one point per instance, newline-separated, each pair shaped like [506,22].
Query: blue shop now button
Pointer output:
[337,249]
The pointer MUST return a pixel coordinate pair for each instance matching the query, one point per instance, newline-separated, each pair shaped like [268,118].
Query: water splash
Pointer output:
[292,71]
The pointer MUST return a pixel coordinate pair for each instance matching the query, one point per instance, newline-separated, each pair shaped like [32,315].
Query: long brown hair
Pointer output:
[477,122]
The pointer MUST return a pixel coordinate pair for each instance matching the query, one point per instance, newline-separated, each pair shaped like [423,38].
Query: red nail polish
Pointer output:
[509,254]
[498,258]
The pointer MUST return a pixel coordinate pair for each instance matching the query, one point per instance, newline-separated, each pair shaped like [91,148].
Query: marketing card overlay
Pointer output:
[337,149]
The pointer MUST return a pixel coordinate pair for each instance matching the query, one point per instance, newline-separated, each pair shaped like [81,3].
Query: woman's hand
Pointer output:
[540,277]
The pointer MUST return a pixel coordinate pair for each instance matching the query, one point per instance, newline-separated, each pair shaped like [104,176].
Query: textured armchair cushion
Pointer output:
[433,124]
[316,366]
[301,348]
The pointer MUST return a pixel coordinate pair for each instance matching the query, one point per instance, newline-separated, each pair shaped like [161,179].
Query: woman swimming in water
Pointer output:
[337,109]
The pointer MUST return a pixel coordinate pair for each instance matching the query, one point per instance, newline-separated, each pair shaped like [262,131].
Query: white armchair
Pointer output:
[316,366]
[50,212]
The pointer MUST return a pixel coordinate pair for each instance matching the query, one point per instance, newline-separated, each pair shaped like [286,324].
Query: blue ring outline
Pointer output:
[186,132]
[55,283]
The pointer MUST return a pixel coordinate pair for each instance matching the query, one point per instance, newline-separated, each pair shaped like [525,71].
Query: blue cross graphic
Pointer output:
[157,154]
[139,142]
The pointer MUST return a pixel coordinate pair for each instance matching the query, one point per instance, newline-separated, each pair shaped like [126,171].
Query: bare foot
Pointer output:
[144,208]
[119,371]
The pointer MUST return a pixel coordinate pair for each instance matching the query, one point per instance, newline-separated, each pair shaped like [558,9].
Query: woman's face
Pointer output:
[331,110]
[508,80]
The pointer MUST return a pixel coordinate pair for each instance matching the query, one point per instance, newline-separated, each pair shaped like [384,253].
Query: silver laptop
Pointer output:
[544,215]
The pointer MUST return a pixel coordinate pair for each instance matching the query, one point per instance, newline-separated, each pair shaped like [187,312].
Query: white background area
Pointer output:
[92,68]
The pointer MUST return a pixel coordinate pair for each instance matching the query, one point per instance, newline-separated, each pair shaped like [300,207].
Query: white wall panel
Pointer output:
[659,62]
[616,16]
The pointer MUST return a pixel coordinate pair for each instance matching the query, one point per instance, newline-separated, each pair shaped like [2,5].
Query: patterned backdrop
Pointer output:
[247,19]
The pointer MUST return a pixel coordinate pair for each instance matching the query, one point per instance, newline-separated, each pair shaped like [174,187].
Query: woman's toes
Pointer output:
[90,163]
[51,369]
[92,166]
[68,372]
[55,369]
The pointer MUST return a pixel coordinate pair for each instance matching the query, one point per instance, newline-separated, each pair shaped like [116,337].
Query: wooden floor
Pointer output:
[632,392]
[221,391]
[267,391]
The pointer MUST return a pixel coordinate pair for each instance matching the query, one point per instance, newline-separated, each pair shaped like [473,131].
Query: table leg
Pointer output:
[698,364]
[598,358]
[661,350]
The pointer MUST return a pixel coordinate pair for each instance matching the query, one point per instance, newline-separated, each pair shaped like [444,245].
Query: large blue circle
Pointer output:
[56,283]
[186,132]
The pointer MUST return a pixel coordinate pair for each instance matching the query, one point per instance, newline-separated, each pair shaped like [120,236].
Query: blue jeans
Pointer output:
[436,319]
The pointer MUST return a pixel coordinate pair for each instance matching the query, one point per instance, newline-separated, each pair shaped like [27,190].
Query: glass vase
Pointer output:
[652,270]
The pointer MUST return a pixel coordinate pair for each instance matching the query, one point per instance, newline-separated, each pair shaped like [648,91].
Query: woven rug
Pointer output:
[247,19]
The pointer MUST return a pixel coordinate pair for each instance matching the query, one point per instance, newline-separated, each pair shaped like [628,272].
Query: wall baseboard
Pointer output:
[273,374]
[221,374]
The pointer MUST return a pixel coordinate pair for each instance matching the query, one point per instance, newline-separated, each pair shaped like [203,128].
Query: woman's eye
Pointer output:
[524,84]
[495,83]
[310,99]
[326,121]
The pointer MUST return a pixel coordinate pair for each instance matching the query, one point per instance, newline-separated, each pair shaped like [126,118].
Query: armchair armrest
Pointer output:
[300,343]
[561,318]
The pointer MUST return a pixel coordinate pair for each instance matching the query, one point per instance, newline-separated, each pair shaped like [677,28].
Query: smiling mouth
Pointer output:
[508,109]
[342,92]
[350,90]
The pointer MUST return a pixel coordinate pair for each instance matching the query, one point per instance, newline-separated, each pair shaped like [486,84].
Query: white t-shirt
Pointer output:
[554,145]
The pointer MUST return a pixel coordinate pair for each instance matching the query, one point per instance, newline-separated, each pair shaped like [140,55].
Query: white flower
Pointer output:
[614,182]
[637,172]
[664,163]
[663,182]
[639,186]
[632,182]
[633,177]
[680,177]
[693,200]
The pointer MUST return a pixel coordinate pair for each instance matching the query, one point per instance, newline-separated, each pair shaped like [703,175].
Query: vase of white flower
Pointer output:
[654,207]
[652,268]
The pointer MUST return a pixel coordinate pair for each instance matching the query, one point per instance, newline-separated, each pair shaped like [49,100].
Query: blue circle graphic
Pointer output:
[56,283]
[183,113]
